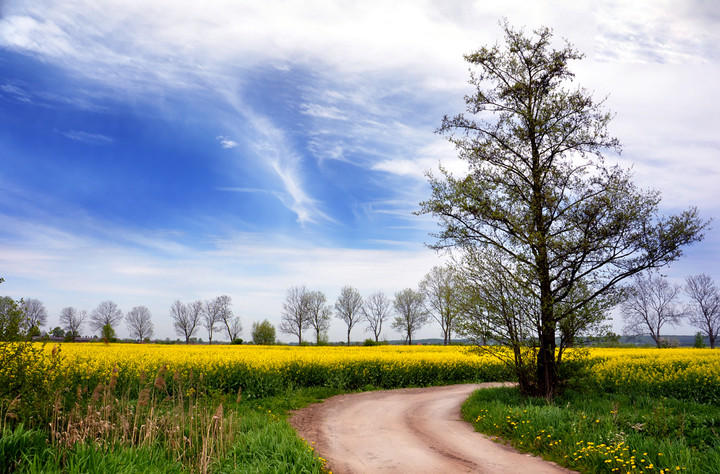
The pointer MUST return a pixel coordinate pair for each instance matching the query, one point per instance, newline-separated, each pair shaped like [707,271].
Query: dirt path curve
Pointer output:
[407,431]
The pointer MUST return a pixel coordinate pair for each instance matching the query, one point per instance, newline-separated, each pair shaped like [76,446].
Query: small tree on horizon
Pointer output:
[139,323]
[295,317]
[12,319]
[651,304]
[185,319]
[319,314]
[211,318]
[703,312]
[107,313]
[440,287]
[411,314]
[348,308]
[376,310]
[72,321]
[35,314]
[263,333]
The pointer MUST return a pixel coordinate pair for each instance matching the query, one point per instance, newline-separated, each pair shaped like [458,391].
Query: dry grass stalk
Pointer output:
[191,430]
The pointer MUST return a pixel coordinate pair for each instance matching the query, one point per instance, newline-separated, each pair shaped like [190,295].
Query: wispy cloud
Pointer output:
[663,31]
[88,138]
[226,142]
[15,92]
[254,269]
[364,85]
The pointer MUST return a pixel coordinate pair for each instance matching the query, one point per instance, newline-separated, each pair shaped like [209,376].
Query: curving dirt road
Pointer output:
[407,430]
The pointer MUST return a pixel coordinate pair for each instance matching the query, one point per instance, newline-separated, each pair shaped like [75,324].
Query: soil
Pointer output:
[407,430]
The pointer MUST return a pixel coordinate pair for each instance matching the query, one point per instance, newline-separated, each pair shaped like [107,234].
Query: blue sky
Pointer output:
[161,150]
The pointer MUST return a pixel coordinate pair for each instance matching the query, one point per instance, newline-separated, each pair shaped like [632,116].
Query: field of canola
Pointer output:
[692,374]
[260,371]
[684,373]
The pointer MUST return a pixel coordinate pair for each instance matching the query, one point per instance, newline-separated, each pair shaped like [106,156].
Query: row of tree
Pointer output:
[305,309]
[213,315]
[302,309]
[653,302]
[23,319]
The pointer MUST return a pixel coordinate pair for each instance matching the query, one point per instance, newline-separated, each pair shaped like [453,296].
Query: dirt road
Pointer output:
[407,431]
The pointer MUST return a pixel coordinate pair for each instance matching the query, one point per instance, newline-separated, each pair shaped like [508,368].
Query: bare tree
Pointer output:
[235,328]
[72,320]
[440,288]
[211,317]
[185,319]
[35,313]
[223,306]
[409,305]
[348,308]
[139,323]
[319,314]
[376,311]
[650,305]
[107,314]
[703,312]
[295,316]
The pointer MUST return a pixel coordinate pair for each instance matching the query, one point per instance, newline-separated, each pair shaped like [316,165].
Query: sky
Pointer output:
[155,150]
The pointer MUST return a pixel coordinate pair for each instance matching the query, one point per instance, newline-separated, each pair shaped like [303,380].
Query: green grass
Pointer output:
[263,442]
[597,432]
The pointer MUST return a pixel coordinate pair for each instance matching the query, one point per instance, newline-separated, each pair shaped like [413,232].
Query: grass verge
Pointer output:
[257,438]
[599,433]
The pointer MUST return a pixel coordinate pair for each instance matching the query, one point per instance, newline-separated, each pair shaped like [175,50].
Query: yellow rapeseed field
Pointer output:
[685,373]
[263,370]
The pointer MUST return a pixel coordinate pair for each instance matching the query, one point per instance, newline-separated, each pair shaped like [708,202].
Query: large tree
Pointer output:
[348,308]
[440,287]
[139,323]
[295,317]
[703,312]
[650,305]
[106,316]
[538,191]
[411,314]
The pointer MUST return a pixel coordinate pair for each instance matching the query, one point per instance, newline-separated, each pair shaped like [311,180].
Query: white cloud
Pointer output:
[88,138]
[320,111]
[65,269]
[226,142]
[361,57]
[25,33]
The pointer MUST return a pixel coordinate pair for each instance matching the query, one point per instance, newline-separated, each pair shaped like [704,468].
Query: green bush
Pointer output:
[29,378]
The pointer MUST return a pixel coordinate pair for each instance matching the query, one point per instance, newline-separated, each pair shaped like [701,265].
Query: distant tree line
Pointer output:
[445,295]
[653,303]
[436,298]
